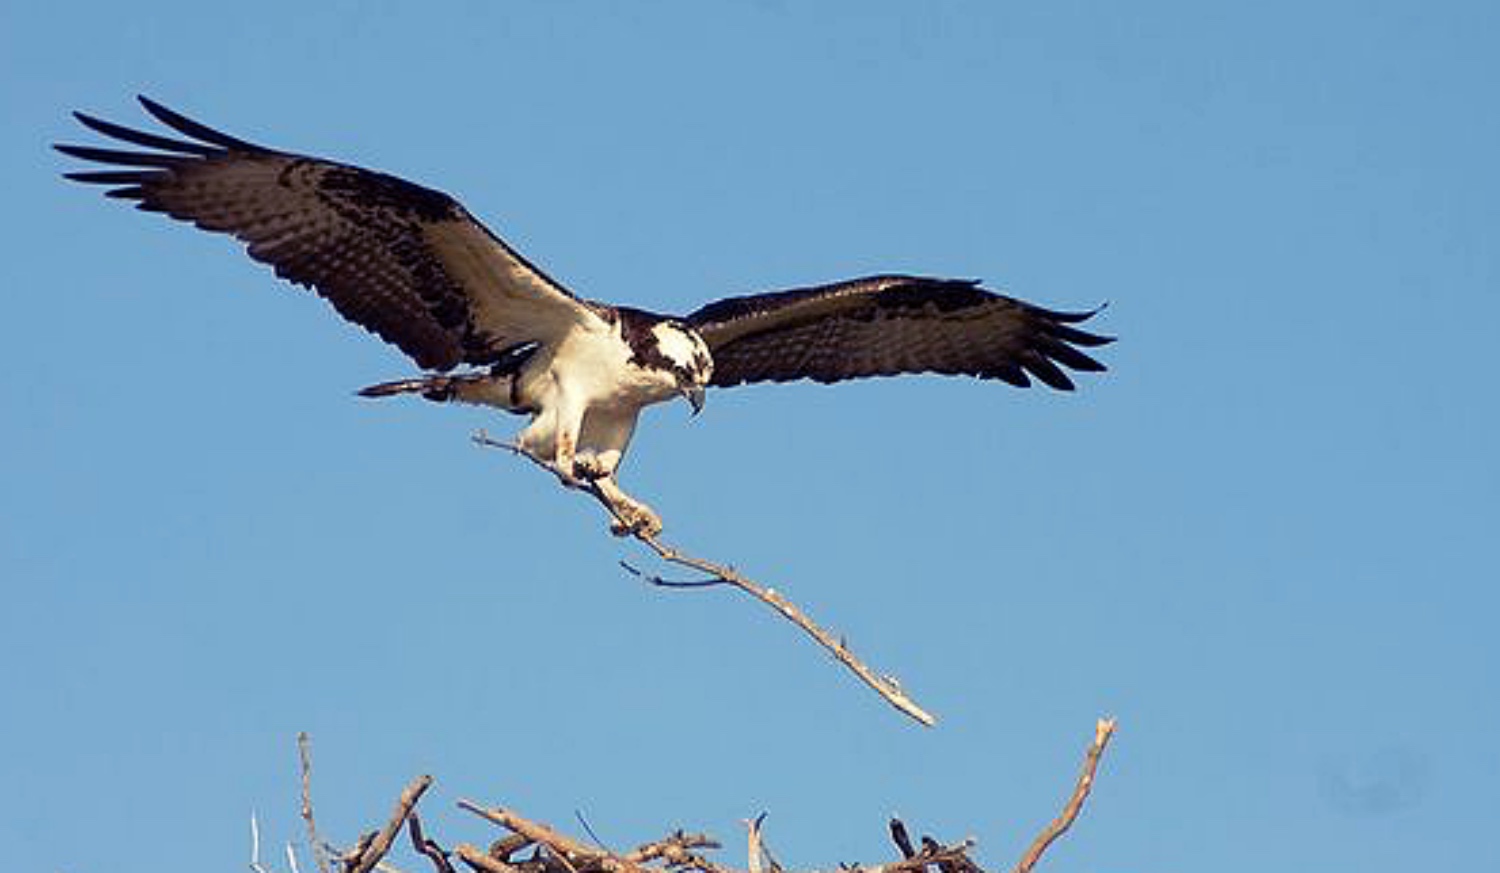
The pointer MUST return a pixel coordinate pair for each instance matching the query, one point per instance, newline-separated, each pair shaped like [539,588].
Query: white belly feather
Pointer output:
[588,393]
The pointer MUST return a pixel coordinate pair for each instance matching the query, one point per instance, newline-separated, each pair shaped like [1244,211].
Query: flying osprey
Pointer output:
[413,266]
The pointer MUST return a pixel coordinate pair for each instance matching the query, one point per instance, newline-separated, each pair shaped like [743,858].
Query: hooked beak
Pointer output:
[693,394]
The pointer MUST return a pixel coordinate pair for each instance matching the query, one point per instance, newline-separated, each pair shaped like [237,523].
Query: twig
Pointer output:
[314,845]
[481,438]
[662,582]
[589,829]
[886,686]
[901,838]
[1103,731]
[569,852]
[255,846]
[478,860]
[753,847]
[364,858]
[676,850]
[427,847]
[567,848]
[508,845]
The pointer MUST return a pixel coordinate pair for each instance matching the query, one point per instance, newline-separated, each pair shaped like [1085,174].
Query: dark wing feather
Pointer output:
[406,262]
[887,325]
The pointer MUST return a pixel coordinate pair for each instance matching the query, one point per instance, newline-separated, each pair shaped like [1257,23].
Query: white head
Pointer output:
[683,351]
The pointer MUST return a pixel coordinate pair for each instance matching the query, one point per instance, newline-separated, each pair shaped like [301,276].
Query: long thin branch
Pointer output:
[1103,731]
[754,849]
[424,846]
[255,847]
[567,849]
[886,686]
[478,860]
[314,844]
[677,850]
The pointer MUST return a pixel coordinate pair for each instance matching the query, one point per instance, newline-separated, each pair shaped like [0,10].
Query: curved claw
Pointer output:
[645,525]
[634,519]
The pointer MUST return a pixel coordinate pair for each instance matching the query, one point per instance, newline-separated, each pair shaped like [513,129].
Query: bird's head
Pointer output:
[687,356]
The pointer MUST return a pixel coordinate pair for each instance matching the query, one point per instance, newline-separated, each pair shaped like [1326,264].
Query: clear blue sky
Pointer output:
[1265,540]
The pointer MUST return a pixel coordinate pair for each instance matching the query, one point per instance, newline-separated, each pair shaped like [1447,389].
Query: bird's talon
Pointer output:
[589,469]
[632,521]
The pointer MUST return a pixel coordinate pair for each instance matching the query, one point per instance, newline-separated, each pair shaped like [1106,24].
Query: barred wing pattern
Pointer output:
[405,262]
[887,325]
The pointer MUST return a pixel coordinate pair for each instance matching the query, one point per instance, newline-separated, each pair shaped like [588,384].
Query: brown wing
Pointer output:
[887,325]
[406,262]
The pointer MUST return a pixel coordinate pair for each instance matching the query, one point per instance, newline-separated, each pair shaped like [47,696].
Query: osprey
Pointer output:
[413,266]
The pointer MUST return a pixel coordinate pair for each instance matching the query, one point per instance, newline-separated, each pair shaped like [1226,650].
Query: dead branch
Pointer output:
[901,839]
[314,844]
[718,574]
[886,686]
[573,854]
[674,850]
[1103,731]
[753,848]
[373,846]
[255,863]
[482,861]
[424,846]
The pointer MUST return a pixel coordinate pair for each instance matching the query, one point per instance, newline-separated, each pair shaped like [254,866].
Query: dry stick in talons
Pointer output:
[885,686]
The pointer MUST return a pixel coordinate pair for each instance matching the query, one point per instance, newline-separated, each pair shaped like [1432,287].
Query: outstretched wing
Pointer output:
[403,261]
[886,325]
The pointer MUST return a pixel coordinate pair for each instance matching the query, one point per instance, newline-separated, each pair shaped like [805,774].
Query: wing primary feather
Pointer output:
[116,156]
[1079,337]
[1036,364]
[142,138]
[112,177]
[185,125]
[1068,356]
[1010,374]
[1069,317]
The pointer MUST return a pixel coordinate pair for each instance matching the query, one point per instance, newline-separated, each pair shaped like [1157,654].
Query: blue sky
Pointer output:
[1264,541]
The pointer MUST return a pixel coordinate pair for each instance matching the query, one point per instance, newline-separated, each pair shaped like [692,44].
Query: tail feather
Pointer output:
[439,388]
[480,389]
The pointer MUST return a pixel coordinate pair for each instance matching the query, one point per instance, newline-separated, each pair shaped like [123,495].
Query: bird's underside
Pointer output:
[411,265]
[603,435]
